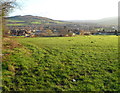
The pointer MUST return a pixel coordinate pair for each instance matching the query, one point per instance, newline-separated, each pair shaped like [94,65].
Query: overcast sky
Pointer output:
[68,9]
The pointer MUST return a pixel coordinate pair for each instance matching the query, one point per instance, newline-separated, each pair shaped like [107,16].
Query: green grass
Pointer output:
[59,22]
[36,22]
[44,64]
[14,21]
[16,24]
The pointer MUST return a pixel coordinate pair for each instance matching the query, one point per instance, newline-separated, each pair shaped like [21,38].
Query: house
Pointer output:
[17,32]
[105,33]
[71,33]
[82,32]
[38,32]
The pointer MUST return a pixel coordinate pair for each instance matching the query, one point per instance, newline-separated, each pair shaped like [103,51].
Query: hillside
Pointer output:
[108,21]
[104,21]
[30,20]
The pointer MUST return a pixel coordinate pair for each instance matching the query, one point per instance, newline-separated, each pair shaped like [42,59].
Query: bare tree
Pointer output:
[6,6]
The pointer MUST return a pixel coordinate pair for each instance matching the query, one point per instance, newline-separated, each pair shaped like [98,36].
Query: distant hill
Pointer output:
[104,21]
[30,20]
[108,21]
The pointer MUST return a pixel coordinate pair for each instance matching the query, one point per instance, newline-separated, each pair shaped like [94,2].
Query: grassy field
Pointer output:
[14,21]
[36,22]
[16,24]
[85,63]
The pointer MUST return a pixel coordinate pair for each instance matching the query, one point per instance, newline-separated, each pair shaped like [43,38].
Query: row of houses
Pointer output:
[47,32]
[33,33]
[56,30]
[108,32]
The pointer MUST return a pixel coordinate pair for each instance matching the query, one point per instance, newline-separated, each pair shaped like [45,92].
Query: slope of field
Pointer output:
[86,63]
[30,20]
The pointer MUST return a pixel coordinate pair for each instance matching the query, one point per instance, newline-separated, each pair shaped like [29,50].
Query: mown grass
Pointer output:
[36,22]
[85,63]
[14,21]
[16,24]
